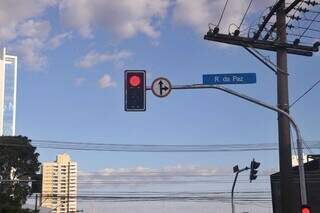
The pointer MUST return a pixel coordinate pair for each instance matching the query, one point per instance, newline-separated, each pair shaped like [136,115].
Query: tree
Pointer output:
[18,164]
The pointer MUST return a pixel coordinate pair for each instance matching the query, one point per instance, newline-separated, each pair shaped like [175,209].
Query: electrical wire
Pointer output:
[304,28]
[274,26]
[298,18]
[224,8]
[305,93]
[295,12]
[245,14]
[306,10]
[293,17]
[314,18]
[85,146]
[241,197]
[303,36]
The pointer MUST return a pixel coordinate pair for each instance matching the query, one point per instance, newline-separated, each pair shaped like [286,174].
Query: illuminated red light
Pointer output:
[305,210]
[134,80]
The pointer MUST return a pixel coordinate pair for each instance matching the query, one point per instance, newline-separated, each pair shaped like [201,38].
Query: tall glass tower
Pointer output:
[8,92]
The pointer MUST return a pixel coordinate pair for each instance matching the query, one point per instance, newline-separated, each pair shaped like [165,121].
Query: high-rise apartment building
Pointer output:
[8,91]
[59,185]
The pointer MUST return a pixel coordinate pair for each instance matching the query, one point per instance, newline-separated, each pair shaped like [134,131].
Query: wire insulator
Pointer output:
[303,10]
[313,3]
[293,17]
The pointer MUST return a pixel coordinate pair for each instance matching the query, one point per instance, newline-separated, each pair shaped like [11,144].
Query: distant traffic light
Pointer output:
[305,209]
[135,90]
[253,170]
[36,184]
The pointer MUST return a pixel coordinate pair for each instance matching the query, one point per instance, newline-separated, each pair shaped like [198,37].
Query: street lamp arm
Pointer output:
[268,106]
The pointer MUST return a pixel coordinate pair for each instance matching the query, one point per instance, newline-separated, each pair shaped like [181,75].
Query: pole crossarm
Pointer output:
[261,44]
[274,26]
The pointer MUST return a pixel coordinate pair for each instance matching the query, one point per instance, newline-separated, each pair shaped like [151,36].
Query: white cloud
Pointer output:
[123,19]
[93,58]
[22,25]
[57,40]
[198,14]
[32,40]
[35,29]
[30,51]
[7,32]
[168,171]
[15,12]
[139,176]
[105,81]
[22,33]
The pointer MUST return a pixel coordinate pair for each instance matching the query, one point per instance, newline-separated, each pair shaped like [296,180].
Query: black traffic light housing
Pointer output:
[305,209]
[36,184]
[135,90]
[253,170]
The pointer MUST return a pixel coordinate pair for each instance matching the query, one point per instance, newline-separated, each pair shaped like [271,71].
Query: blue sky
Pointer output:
[72,57]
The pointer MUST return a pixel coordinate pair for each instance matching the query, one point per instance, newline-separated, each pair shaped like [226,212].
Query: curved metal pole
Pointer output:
[268,106]
[233,186]
[232,192]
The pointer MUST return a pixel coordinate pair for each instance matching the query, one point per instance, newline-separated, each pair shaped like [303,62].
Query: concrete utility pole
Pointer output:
[286,177]
[282,48]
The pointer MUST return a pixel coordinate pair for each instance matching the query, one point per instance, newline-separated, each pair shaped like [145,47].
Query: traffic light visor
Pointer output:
[255,164]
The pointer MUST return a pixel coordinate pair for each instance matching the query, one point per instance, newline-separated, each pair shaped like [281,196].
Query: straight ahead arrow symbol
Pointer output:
[165,88]
[160,85]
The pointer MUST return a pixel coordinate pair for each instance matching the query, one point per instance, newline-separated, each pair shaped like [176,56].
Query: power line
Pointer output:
[306,10]
[160,197]
[310,24]
[224,8]
[298,18]
[304,36]
[290,26]
[86,146]
[305,93]
[245,14]
[294,17]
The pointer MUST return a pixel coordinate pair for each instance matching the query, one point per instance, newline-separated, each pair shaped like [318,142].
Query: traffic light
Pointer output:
[305,209]
[253,170]
[135,90]
[36,184]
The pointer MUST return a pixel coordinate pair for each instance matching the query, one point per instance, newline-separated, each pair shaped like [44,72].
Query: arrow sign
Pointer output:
[161,87]
[231,78]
